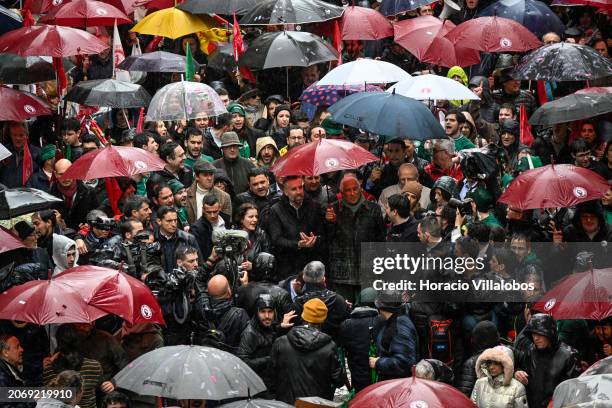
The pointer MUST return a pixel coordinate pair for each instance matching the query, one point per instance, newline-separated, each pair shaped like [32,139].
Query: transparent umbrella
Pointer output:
[184,100]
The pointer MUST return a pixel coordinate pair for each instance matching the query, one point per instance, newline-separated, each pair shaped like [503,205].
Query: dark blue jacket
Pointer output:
[11,168]
[397,345]
[40,181]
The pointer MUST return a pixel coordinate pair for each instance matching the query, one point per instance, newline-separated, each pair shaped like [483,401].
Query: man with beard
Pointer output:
[11,360]
[235,166]
[139,208]
[258,193]
[453,123]
[179,195]
[266,151]
[194,141]
[379,179]
[174,156]
[204,184]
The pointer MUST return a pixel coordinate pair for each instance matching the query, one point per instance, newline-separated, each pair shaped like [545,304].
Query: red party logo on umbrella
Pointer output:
[56,2]
[419,404]
[29,109]
[505,42]
[101,12]
[146,312]
[332,162]
[550,304]
[425,91]
[140,164]
[579,192]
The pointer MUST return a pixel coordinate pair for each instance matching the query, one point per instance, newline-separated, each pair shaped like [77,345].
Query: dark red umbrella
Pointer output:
[50,41]
[85,13]
[410,393]
[127,6]
[8,241]
[113,161]
[493,34]
[362,23]
[47,301]
[324,156]
[114,292]
[554,186]
[585,295]
[19,106]
[424,38]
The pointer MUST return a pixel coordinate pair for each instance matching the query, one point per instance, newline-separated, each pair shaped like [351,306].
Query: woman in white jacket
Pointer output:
[496,386]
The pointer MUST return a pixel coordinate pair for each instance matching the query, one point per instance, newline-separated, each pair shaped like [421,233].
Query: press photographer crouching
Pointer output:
[99,240]
[137,251]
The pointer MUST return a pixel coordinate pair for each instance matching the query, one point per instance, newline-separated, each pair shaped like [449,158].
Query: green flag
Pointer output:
[189,64]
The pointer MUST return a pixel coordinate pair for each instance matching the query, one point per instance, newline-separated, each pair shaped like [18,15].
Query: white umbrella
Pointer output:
[4,152]
[364,70]
[430,87]
[184,100]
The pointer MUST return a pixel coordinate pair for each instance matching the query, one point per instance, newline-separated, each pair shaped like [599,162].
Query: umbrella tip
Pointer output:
[393,93]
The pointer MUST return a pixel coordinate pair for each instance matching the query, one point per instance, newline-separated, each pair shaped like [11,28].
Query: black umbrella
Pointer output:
[226,7]
[291,12]
[9,20]
[18,201]
[222,58]
[109,92]
[256,403]
[572,107]
[15,69]
[158,61]
[564,62]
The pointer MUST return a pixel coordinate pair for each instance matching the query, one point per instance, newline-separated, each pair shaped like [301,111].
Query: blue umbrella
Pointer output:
[389,115]
[393,7]
[9,20]
[533,14]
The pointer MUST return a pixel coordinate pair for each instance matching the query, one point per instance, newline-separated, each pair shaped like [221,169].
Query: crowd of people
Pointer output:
[268,268]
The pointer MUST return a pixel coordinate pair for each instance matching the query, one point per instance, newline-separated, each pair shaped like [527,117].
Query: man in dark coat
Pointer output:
[296,227]
[11,358]
[304,363]
[546,362]
[511,92]
[41,179]
[211,218]
[484,336]
[11,168]
[174,156]
[170,237]
[236,167]
[404,226]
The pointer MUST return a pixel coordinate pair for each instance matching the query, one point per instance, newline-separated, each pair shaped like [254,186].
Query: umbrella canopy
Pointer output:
[20,201]
[85,13]
[605,5]
[127,6]
[584,391]
[46,301]
[184,100]
[173,23]
[564,62]
[291,12]
[114,292]
[603,366]
[113,161]
[362,23]
[287,49]
[424,38]
[222,58]
[573,107]
[190,372]
[362,71]
[554,186]
[493,34]
[410,393]
[9,20]
[324,156]
[533,14]
[4,152]
[327,95]
[387,114]
[428,87]
[256,403]
[584,295]
[15,69]
[18,105]
[8,241]
[225,7]
[393,7]
[109,92]
[157,61]
[51,41]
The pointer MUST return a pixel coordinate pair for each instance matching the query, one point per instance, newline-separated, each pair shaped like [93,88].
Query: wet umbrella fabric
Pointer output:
[225,7]
[85,13]
[584,391]
[364,71]
[554,186]
[18,105]
[9,20]
[389,115]
[327,95]
[20,201]
[173,23]
[533,14]
[8,241]
[287,49]
[222,58]
[190,372]
[158,61]
[291,12]
[109,92]
[563,62]
[15,69]
[184,100]
[393,7]
[4,152]
[573,107]
[362,23]
[429,87]
[256,403]
[603,366]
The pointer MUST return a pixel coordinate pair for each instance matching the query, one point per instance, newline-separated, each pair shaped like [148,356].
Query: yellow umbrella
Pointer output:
[173,23]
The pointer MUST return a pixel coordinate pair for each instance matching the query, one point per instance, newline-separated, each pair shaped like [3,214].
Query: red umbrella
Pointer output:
[595,90]
[324,156]
[113,161]
[410,393]
[51,41]
[19,106]
[494,34]
[424,38]
[554,186]
[114,292]
[362,23]
[160,4]
[47,301]
[85,13]
[8,241]
[585,295]
[127,6]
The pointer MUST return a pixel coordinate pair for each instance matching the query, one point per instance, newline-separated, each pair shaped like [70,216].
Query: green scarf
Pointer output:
[354,207]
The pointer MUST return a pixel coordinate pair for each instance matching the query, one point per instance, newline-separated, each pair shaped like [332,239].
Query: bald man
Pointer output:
[225,317]
[78,199]
[350,221]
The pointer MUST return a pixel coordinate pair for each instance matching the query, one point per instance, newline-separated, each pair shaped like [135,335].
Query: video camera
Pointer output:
[106,224]
[230,242]
[464,206]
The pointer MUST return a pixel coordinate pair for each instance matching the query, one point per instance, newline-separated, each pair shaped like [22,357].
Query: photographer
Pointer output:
[212,219]
[137,251]
[99,240]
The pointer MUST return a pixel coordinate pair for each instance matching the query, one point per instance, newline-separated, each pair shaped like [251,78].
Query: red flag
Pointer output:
[337,41]
[152,46]
[141,117]
[114,194]
[62,82]
[526,136]
[27,166]
[238,42]
[541,92]
[26,14]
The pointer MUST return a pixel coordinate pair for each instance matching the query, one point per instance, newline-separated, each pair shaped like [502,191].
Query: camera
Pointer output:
[106,224]
[464,206]
[141,237]
[230,242]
